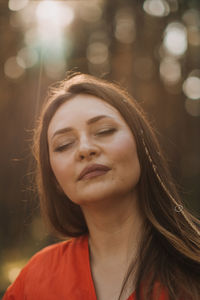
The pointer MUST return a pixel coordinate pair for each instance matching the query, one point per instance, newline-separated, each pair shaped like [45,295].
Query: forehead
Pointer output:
[81,108]
[84,103]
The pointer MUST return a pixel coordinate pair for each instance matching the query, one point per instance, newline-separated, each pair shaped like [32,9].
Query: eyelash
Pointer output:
[62,148]
[104,132]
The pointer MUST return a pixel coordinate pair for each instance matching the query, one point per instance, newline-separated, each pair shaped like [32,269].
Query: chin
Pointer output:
[97,197]
[89,200]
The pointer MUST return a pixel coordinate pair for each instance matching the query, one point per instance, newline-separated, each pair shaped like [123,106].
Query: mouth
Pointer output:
[93,174]
[92,171]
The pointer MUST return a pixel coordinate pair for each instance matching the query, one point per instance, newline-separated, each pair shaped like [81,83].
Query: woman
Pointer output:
[103,182]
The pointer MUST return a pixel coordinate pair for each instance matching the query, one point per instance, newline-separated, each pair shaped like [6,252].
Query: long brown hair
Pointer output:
[170,247]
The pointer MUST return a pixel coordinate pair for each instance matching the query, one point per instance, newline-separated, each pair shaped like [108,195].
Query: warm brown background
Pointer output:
[124,41]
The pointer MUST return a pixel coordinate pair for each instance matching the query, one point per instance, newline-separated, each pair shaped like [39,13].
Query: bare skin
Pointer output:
[112,244]
[109,201]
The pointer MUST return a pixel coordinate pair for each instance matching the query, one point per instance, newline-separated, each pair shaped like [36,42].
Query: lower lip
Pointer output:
[94,174]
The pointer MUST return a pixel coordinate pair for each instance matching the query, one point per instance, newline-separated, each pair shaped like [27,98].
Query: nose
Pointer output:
[87,149]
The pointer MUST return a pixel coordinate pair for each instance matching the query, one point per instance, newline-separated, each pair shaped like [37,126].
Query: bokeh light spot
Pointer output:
[157,8]
[16,5]
[125,26]
[170,70]
[175,39]
[54,13]
[192,107]
[191,87]
[194,35]
[27,57]
[12,68]
[13,273]
[25,18]
[97,53]
[192,17]
[52,19]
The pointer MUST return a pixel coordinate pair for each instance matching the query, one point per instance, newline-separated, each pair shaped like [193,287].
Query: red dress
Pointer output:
[58,272]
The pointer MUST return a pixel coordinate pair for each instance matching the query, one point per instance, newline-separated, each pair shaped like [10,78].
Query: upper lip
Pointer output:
[92,168]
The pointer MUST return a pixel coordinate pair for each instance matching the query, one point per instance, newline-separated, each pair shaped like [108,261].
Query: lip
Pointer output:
[95,170]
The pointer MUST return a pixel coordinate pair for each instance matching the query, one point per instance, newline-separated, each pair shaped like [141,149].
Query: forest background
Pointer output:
[151,47]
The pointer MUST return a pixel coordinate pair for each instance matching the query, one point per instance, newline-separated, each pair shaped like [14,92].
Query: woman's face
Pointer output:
[86,131]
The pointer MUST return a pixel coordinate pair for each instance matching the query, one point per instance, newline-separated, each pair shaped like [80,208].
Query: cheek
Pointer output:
[62,171]
[124,149]
[125,158]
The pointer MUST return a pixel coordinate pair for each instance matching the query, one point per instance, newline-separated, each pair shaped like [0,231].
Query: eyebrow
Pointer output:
[90,121]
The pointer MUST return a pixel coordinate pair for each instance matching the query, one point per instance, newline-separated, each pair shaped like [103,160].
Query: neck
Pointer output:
[115,228]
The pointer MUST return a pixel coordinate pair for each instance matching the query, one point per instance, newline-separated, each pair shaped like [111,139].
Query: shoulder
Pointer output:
[48,254]
[54,256]
[48,265]
[57,251]
[51,252]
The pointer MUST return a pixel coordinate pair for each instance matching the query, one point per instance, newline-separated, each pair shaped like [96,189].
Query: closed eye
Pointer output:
[106,132]
[62,148]
[100,133]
